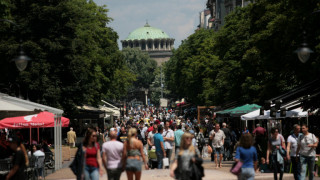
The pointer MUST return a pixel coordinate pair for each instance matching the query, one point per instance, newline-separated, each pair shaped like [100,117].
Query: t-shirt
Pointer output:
[38,153]
[150,136]
[304,141]
[177,137]
[91,155]
[259,131]
[168,134]
[247,156]
[217,139]
[19,159]
[113,150]
[122,137]
[226,132]
[293,140]
[157,141]
[276,142]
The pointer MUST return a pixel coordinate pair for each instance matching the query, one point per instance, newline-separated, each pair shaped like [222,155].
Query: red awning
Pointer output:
[180,104]
[42,120]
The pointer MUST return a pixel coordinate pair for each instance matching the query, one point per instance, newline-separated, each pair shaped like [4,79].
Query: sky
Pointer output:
[177,18]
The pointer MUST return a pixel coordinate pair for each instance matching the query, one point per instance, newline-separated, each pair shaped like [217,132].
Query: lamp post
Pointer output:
[304,51]
[21,60]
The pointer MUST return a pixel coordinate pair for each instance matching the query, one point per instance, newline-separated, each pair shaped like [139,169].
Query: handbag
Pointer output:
[236,168]
[209,149]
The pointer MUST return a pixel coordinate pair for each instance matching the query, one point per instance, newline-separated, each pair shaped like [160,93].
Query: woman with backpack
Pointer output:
[200,139]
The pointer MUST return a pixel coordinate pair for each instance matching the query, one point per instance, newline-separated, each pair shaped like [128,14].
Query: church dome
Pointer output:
[147,32]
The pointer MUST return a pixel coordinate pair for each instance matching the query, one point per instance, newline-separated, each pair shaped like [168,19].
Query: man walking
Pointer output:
[177,138]
[292,145]
[71,137]
[159,143]
[227,142]
[168,137]
[307,144]
[217,136]
[111,156]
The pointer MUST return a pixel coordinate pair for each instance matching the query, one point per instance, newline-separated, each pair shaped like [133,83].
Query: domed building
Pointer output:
[152,40]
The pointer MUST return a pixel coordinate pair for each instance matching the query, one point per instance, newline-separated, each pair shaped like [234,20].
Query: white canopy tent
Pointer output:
[254,115]
[11,105]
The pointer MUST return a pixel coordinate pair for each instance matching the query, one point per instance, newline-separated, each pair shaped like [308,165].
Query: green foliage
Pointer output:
[141,65]
[75,57]
[250,59]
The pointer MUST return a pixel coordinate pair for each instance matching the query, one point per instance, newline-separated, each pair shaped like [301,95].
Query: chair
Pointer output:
[30,170]
[4,167]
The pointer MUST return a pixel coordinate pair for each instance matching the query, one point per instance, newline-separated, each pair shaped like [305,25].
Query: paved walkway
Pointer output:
[210,173]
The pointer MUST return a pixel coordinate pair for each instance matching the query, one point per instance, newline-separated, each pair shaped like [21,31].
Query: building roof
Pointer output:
[147,32]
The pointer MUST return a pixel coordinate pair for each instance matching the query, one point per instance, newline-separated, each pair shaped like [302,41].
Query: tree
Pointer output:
[75,57]
[250,58]
[141,65]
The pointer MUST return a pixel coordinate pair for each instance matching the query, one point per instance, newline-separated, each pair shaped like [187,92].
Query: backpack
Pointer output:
[202,141]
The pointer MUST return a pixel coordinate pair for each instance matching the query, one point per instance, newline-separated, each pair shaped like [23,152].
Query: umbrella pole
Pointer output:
[38,135]
[30,136]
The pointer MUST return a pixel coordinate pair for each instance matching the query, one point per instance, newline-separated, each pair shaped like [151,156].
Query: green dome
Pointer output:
[147,32]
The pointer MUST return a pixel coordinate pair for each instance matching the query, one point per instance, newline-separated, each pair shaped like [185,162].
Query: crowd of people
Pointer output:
[179,143]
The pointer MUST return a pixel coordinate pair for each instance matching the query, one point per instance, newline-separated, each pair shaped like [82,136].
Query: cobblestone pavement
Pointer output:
[210,173]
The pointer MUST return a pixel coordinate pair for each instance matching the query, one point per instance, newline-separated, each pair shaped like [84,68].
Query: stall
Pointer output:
[12,106]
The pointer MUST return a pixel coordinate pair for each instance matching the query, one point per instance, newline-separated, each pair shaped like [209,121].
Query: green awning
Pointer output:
[239,110]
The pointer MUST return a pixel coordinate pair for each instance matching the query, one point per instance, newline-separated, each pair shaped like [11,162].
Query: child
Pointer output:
[263,167]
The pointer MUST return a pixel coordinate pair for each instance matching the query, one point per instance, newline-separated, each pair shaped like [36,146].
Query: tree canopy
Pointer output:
[75,56]
[250,59]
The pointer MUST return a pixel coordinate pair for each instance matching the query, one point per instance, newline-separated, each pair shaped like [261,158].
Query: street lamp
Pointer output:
[21,60]
[304,51]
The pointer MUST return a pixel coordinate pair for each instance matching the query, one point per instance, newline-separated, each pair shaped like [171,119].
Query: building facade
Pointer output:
[219,9]
[152,40]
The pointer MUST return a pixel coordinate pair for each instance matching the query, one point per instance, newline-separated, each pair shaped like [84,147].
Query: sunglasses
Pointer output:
[188,137]
[93,135]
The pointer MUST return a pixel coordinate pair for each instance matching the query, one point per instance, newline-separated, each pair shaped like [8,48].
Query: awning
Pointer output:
[42,120]
[240,110]
[254,115]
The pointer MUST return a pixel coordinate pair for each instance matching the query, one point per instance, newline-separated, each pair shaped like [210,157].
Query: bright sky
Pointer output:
[178,18]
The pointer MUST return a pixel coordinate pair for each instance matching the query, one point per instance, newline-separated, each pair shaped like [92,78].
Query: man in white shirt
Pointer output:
[307,144]
[40,160]
[217,136]
[292,145]
[168,137]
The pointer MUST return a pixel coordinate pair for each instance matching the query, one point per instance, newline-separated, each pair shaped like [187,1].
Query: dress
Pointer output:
[184,170]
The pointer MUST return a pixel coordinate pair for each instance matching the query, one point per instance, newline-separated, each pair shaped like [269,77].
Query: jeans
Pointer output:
[296,167]
[114,174]
[91,173]
[307,160]
[227,153]
[169,153]
[277,167]
[246,174]
[159,159]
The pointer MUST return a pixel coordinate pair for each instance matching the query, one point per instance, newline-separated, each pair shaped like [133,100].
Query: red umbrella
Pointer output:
[42,120]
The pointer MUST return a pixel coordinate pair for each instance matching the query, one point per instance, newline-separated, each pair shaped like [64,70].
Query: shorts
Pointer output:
[217,150]
[133,165]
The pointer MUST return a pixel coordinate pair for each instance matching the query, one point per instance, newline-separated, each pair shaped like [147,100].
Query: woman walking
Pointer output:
[187,164]
[132,153]
[247,154]
[91,149]
[199,138]
[274,144]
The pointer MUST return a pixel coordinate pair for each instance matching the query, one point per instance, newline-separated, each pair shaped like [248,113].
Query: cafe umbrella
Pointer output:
[42,120]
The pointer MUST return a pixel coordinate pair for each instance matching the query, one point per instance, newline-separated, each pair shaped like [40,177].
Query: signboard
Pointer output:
[163,102]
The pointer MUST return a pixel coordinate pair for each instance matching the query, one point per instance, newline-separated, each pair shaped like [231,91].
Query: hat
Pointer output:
[112,129]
